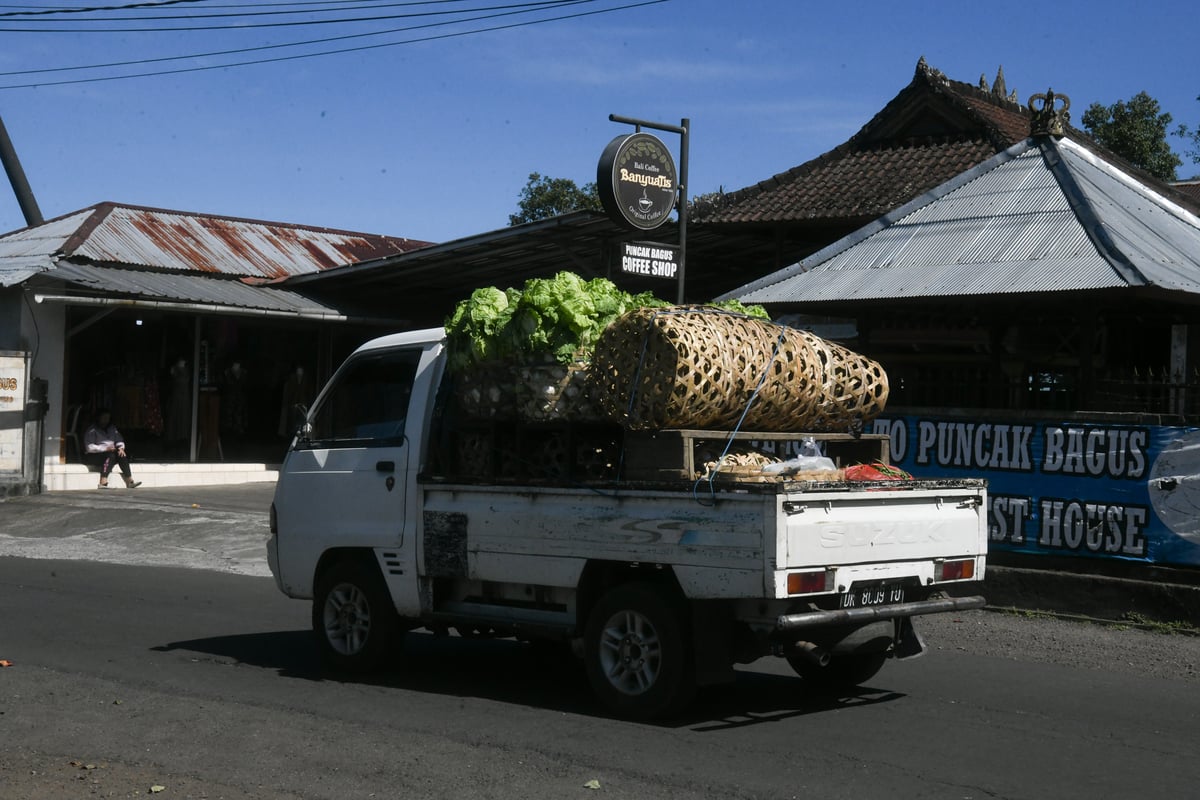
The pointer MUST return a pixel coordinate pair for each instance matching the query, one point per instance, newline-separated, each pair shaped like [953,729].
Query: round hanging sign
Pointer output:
[636,181]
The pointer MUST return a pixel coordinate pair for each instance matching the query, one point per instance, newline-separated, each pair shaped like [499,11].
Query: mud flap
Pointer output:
[712,644]
[908,642]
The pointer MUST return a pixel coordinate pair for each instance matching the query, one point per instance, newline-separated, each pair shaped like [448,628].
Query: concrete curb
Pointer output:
[1097,596]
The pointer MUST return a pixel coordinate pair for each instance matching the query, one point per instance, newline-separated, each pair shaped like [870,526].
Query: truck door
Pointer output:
[347,477]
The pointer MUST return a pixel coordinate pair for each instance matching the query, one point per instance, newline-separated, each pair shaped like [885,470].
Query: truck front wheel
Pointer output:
[636,652]
[353,617]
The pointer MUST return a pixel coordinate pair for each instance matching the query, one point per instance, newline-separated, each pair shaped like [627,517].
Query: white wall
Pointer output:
[43,334]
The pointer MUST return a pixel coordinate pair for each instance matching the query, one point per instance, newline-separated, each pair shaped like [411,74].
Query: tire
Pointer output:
[637,654]
[842,671]
[353,617]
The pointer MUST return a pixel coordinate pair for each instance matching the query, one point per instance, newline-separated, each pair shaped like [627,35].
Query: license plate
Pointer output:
[876,595]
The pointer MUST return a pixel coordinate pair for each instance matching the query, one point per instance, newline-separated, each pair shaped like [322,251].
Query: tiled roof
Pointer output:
[1189,189]
[933,130]
[855,184]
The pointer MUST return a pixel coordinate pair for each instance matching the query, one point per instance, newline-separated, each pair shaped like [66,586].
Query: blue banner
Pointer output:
[1068,488]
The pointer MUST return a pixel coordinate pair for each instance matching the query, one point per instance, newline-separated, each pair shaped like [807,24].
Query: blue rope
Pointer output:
[712,490]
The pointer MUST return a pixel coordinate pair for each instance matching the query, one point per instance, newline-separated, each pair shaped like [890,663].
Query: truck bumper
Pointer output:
[871,614]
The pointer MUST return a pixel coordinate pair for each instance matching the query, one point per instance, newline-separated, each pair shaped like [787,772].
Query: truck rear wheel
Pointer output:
[353,617]
[636,653]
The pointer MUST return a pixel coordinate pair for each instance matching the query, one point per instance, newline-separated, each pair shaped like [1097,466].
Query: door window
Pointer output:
[368,404]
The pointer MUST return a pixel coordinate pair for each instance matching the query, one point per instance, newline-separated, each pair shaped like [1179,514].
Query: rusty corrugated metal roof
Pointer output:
[1044,216]
[121,251]
[174,240]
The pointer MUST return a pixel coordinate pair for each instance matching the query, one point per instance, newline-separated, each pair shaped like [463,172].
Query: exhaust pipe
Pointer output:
[811,653]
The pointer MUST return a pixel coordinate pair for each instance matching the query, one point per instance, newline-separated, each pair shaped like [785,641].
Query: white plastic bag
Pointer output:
[809,458]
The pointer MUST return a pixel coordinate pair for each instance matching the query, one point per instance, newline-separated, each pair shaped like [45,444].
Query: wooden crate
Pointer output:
[675,453]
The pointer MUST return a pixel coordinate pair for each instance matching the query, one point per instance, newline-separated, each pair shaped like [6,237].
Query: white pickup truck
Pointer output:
[660,585]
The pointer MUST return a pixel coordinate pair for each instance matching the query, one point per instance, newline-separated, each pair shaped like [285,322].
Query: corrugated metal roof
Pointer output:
[111,282]
[193,242]
[170,256]
[45,239]
[1043,216]
[109,233]
[26,252]
[1159,238]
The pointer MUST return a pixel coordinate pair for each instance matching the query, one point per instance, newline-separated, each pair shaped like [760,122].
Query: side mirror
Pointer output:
[303,430]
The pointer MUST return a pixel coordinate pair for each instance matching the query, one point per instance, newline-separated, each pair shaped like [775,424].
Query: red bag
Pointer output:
[877,471]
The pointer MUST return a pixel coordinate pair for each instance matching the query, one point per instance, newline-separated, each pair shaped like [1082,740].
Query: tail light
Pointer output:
[811,582]
[957,570]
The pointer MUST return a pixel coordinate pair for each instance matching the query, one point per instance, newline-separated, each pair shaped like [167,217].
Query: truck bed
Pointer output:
[736,541]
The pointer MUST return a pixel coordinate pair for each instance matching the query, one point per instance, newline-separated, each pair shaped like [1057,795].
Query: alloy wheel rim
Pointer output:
[347,618]
[630,653]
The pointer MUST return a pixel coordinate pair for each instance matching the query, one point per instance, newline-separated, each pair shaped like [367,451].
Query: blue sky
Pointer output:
[434,140]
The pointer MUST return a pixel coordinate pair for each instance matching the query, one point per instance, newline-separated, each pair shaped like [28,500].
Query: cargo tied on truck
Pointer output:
[668,490]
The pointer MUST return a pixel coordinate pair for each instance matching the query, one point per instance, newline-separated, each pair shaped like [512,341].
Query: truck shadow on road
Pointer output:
[535,675]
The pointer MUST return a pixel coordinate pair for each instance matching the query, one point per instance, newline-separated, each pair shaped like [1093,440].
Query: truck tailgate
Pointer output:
[880,534]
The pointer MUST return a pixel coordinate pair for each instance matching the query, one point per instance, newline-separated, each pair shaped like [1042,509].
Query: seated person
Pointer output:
[104,446]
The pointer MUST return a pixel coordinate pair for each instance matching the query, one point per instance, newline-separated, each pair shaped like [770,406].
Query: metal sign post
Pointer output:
[681,201]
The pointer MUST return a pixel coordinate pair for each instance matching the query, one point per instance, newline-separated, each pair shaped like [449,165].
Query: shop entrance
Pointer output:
[194,388]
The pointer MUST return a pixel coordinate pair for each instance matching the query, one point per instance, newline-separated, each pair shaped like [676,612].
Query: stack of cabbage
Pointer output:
[523,353]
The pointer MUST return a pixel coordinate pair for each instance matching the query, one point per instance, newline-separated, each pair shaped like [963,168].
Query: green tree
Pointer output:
[1192,135]
[1136,131]
[545,197]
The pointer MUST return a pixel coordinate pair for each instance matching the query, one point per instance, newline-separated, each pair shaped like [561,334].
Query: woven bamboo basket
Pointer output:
[695,367]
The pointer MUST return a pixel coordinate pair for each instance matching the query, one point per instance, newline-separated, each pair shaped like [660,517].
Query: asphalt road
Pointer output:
[204,683]
[148,649]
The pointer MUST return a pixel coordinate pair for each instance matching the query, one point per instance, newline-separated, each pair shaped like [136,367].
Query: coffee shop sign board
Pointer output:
[637,182]
[652,259]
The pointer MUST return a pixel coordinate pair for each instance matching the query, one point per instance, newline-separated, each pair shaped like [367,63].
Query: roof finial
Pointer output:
[998,87]
[929,74]
[1049,120]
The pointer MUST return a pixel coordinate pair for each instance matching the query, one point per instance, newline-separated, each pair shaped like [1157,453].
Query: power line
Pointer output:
[339,51]
[537,5]
[45,10]
[162,3]
[38,11]
[260,48]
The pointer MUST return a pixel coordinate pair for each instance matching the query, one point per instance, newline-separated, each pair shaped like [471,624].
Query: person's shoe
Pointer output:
[103,483]
[130,483]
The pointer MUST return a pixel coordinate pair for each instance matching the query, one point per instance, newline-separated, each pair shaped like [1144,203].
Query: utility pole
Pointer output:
[16,177]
